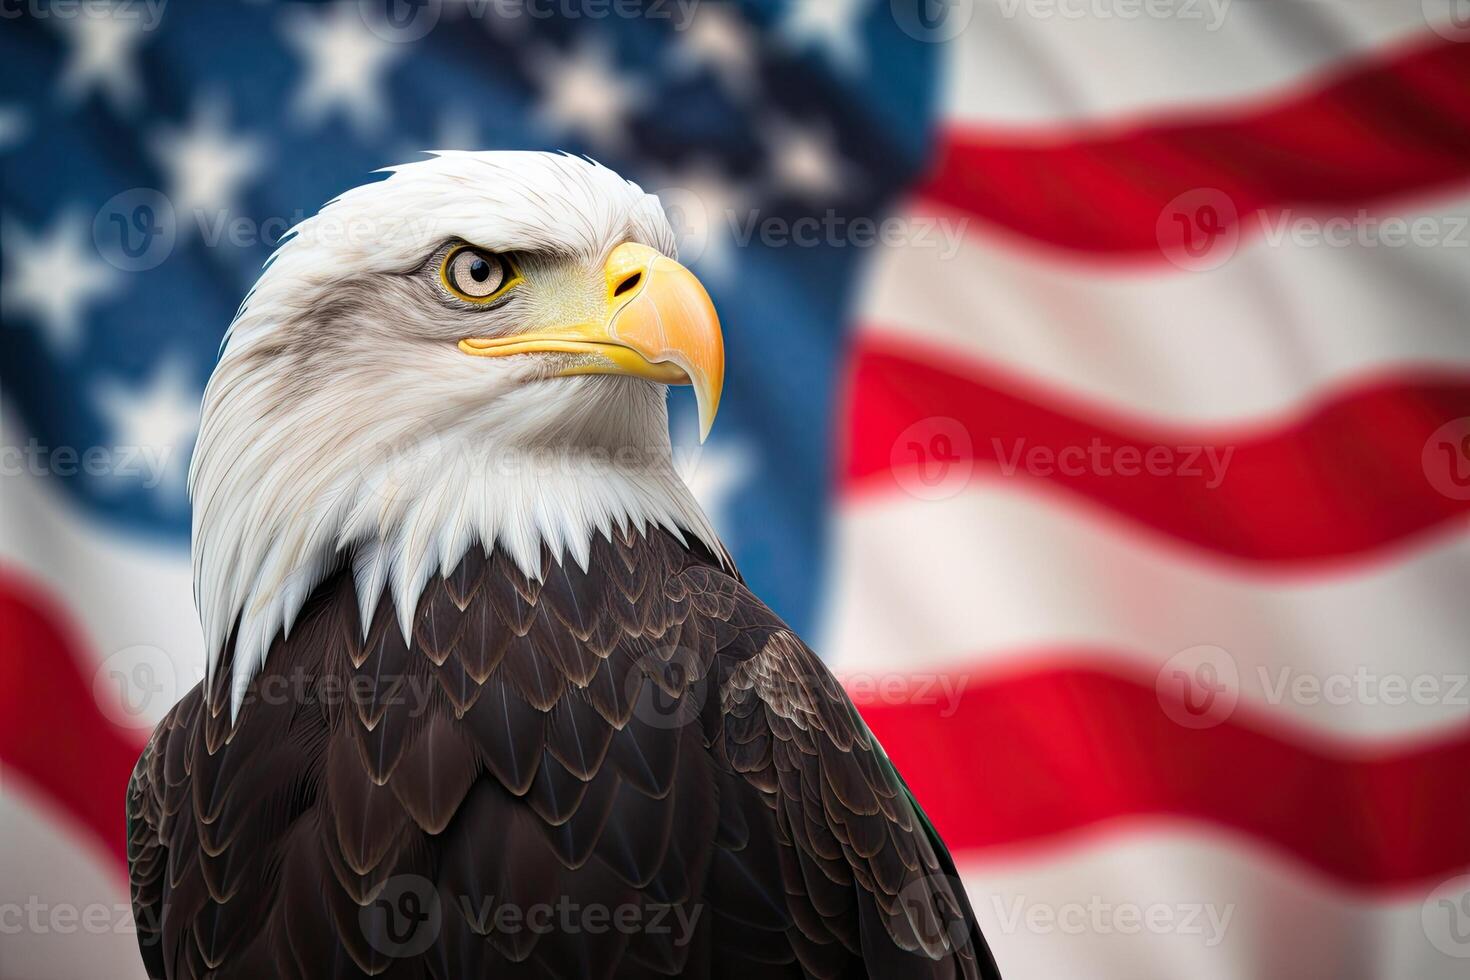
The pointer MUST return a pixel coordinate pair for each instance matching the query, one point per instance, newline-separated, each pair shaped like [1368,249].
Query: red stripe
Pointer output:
[1349,476]
[1383,128]
[51,729]
[1028,758]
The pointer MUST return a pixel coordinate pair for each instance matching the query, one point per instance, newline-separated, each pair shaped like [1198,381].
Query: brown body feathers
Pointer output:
[633,771]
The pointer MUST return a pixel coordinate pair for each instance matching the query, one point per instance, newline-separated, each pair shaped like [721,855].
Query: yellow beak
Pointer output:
[658,324]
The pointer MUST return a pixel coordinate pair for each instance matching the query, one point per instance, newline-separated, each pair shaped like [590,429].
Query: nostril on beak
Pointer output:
[629,283]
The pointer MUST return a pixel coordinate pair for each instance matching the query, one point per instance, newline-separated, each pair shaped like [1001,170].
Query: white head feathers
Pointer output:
[342,422]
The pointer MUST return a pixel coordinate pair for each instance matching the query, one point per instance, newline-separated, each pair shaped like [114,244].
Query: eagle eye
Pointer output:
[477,275]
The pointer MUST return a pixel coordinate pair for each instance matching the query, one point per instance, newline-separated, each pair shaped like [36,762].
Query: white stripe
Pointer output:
[1039,63]
[63,913]
[131,599]
[1274,325]
[977,583]
[1165,903]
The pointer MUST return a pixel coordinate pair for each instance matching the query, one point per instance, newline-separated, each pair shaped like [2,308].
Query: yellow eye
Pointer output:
[477,275]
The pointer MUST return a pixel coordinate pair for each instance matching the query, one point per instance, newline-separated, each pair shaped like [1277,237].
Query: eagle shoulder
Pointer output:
[643,735]
[870,873]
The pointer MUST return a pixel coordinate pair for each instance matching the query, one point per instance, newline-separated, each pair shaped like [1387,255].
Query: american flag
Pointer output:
[1117,458]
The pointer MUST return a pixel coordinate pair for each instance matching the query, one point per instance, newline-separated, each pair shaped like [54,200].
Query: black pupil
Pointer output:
[479,270]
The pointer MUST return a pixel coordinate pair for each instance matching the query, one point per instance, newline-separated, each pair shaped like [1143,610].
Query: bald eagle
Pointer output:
[485,696]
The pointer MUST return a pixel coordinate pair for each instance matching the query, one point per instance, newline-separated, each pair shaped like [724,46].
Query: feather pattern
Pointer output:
[631,769]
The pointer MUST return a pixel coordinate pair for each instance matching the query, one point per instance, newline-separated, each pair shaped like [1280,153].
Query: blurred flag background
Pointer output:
[1098,405]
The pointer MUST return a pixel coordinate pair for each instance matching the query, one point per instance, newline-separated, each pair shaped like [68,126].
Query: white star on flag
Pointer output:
[345,66]
[720,39]
[206,165]
[582,92]
[804,160]
[154,424]
[829,24]
[101,51]
[52,277]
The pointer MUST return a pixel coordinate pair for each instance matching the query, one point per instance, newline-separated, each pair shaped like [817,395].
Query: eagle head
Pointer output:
[473,350]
